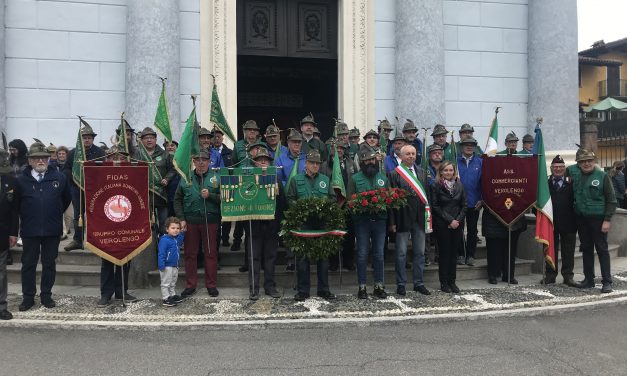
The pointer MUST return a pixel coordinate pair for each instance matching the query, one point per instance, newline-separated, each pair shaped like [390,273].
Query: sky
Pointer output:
[601,19]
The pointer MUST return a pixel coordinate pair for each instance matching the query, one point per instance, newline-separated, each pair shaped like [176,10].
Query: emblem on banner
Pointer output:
[509,203]
[249,191]
[118,208]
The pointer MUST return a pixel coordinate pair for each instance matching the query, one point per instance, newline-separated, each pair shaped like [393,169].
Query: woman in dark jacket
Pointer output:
[448,202]
[18,159]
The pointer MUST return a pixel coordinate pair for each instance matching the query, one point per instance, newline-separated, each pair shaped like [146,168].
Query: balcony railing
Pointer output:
[622,91]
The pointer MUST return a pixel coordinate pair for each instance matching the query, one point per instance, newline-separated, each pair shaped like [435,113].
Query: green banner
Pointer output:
[248,193]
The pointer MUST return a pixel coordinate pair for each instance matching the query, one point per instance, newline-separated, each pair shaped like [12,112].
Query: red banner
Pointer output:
[117,212]
[509,185]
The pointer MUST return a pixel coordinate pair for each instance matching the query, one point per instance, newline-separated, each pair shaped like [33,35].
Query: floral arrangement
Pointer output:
[377,200]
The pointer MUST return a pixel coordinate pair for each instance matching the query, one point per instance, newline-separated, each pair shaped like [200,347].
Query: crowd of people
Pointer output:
[37,195]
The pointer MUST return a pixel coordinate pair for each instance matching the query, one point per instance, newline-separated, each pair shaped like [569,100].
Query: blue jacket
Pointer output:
[470,176]
[216,158]
[284,150]
[286,161]
[169,250]
[431,174]
[41,205]
[390,163]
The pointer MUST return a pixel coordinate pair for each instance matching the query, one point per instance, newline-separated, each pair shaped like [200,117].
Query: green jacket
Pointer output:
[315,144]
[305,186]
[361,183]
[594,196]
[191,207]
[240,153]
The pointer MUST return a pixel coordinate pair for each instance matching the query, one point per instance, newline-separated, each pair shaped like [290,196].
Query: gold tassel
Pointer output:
[80,220]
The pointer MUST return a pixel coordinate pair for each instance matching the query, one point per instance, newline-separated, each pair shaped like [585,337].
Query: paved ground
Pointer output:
[591,342]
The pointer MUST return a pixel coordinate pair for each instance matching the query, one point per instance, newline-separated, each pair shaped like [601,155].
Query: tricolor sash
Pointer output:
[415,184]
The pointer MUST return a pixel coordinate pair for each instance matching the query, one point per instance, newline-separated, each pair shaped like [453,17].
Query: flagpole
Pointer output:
[123,287]
[251,264]
[509,255]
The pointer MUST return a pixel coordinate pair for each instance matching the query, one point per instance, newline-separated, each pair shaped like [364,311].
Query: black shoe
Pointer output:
[188,292]
[547,281]
[379,292]
[5,315]
[470,261]
[427,262]
[104,301]
[72,246]
[128,298]
[328,295]
[571,283]
[213,292]
[607,288]
[301,296]
[273,293]
[460,260]
[176,299]
[362,293]
[243,269]
[512,281]
[586,284]
[290,268]
[333,268]
[350,267]
[168,302]
[236,246]
[225,243]
[400,290]
[422,289]
[454,287]
[445,287]
[254,296]
[26,305]
[492,280]
[48,303]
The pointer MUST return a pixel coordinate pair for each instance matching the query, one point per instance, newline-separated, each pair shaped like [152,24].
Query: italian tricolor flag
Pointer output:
[491,146]
[544,216]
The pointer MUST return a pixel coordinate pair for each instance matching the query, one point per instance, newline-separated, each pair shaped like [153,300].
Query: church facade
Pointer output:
[432,61]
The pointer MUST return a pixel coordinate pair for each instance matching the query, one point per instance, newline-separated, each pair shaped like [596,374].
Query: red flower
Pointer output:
[388,201]
[353,196]
[364,193]
[372,193]
[351,205]
[395,196]
[382,189]
[364,203]
[375,199]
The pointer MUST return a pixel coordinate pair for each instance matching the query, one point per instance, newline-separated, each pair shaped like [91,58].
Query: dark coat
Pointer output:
[447,207]
[227,156]
[563,201]
[41,205]
[93,153]
[412,214]
[491,227]
[9,221]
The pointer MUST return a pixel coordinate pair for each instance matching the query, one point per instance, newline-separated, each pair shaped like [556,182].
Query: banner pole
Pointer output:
[509,255]
[340,263]
[123,287]
[251,264]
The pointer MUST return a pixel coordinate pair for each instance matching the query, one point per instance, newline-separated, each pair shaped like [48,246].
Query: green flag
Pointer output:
[294,171]
[188,146]
[217,116]
[122,140]
[79,156]
[337,183]
[154,176]
[162,118]
[493,136]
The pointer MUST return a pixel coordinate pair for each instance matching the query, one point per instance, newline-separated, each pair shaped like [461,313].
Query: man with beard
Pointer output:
[42,194]
[370,228]
[163,162]
[436,156]
[9,223]
[92,152]
[409,221]
[311,183]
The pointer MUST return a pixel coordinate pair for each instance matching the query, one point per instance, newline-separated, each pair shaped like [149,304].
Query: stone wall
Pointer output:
[64,59]
[385,60]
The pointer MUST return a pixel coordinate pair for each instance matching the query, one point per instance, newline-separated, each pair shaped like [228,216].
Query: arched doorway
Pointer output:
[287,62]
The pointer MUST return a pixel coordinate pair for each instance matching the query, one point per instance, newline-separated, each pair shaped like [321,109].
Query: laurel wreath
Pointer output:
[313,214]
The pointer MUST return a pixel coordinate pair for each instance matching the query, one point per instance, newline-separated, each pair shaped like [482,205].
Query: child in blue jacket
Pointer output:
[168,260]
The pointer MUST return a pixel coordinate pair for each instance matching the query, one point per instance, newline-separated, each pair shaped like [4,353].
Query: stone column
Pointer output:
[3,106]
[420,62]
[152,50]
[589,130]
[553,72]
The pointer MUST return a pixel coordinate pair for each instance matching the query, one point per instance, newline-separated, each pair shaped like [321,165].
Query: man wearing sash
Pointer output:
[311,183]
[411,220]
[369,227]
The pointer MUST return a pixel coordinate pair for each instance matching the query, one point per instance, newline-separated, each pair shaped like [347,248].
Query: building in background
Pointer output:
[432,61]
